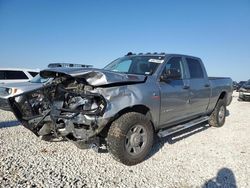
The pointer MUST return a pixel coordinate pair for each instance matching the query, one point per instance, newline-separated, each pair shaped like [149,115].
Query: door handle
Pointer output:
[186,87]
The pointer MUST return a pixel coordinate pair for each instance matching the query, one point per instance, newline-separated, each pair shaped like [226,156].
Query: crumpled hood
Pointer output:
[94,77]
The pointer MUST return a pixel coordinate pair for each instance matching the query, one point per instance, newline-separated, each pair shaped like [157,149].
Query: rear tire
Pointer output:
[130,138]
[218,116]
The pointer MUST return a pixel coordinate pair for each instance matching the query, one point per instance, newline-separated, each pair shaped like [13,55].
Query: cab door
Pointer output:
[174,94]
[200,88]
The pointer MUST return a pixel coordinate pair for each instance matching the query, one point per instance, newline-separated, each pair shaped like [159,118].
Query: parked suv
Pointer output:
[9,75]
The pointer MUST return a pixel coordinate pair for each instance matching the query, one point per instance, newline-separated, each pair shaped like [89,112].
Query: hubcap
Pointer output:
[221,114]
[136,139]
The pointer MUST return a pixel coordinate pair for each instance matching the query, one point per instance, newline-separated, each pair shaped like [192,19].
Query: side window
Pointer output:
[175,63]
[195,69]
[12,75]
[2,77]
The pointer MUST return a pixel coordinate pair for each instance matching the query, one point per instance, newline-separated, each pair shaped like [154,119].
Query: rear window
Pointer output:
[12,75]
[33,73]
[195,69]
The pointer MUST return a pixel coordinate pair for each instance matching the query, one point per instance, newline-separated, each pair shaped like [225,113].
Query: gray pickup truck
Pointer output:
[124,104]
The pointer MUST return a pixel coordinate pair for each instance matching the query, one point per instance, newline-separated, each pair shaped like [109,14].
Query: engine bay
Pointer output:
[67,107]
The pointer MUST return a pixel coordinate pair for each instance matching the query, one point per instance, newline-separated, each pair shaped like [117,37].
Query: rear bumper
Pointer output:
[4,104]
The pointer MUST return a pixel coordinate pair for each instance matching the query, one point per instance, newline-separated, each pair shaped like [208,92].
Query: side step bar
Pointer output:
[172,130]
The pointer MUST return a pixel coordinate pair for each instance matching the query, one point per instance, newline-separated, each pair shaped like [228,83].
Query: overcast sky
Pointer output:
[34,33]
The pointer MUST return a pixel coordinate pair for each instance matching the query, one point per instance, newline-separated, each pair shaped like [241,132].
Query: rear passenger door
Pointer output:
[199,88]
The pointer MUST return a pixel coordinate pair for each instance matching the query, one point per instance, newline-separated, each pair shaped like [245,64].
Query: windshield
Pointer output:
[38,79]
[144,65]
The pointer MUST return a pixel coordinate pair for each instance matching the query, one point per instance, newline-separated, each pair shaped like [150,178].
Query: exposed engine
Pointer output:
[66,108]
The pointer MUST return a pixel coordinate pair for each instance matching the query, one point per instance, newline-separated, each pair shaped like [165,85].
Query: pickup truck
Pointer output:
[125,104]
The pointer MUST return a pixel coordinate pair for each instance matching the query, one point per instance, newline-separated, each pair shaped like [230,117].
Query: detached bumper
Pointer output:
[4,104]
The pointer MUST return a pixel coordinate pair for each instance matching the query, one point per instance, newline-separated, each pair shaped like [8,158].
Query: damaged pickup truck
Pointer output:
[124,104]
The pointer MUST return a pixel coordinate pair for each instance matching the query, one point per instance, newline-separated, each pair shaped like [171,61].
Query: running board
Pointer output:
[175,129]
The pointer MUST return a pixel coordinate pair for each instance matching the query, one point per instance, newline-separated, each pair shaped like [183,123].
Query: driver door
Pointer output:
[174,95]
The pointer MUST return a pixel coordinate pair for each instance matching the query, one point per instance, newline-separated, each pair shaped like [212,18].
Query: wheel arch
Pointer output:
[223,96]
[143,109]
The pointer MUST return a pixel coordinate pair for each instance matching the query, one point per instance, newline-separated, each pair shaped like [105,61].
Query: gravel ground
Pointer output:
[199,157]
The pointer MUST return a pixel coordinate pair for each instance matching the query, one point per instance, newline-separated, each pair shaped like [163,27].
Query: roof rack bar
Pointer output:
[54,65]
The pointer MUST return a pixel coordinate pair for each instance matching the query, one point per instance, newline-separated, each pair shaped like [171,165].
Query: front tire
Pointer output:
[218,116]
[130,138]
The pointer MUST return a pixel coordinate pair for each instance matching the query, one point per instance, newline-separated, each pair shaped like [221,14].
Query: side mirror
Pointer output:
[170,74]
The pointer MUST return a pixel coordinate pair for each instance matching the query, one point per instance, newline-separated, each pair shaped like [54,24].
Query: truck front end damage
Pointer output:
[71,106]
[65,108]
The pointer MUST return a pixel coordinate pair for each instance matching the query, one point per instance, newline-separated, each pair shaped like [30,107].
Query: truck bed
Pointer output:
[219,85]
